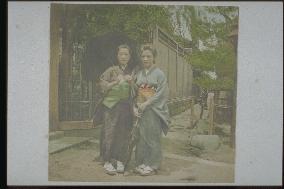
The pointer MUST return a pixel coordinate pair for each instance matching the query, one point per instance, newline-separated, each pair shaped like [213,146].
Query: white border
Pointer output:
[260,85]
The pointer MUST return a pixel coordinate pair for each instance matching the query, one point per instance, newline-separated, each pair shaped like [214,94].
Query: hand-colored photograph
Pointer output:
[142,93]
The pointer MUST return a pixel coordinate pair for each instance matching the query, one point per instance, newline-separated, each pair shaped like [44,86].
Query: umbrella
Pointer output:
[133,141]
[101,53]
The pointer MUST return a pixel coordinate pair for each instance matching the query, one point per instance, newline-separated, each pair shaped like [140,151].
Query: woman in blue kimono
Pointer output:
[151,91]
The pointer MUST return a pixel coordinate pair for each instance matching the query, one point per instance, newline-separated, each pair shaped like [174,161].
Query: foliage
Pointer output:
[222,60]
[206,22]
[221,84]
[136,21]
[203,23]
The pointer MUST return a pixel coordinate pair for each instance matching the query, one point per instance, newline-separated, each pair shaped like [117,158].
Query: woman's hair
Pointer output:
[124,46]
[149,48]
[130,64]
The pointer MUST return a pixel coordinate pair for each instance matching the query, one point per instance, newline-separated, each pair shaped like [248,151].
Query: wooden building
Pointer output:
[72,99]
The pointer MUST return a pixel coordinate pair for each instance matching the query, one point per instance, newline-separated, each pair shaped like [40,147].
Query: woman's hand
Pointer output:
[136,112]
[128,78]
[120,78]
[142,106]
[113,83]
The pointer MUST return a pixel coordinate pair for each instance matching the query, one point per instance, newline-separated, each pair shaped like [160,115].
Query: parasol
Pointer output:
[101,53]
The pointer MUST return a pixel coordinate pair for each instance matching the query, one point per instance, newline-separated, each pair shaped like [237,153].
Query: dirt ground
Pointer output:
[178,166]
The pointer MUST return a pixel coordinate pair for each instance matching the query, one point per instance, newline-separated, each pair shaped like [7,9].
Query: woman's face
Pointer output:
[147,58]
[123,56]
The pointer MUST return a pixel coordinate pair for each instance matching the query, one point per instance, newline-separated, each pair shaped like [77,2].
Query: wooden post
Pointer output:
[233,118]
[192,113]
[234,40]
[91,105]
[211,116]
[54,66]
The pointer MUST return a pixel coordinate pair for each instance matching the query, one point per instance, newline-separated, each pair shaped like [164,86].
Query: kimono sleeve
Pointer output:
[162,89]
[134,86]
[105,79]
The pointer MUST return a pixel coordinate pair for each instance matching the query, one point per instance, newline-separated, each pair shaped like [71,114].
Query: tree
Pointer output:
[211,26]
[134,20]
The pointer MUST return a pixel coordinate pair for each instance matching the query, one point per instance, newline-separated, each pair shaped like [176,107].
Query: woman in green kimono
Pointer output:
[152,111]
[117,112]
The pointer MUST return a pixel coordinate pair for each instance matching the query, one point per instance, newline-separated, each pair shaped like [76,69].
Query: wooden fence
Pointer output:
[73,99]
[171,60]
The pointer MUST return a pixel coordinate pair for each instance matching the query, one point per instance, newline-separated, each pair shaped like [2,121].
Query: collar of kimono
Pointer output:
[122,67]
[146,72]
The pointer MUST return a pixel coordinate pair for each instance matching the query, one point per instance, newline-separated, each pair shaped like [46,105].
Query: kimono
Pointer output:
[117,116]
[155,118]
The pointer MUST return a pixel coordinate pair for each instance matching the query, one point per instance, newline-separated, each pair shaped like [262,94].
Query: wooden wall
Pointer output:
[172,63]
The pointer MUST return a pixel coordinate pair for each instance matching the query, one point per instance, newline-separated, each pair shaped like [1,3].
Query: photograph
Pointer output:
[142,93]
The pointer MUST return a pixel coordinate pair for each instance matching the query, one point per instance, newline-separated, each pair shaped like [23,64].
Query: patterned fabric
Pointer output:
[145,92]
[116,93]
[148,149]
[157,80]
[117,116]
[115,133]
[155,118]
[110,75]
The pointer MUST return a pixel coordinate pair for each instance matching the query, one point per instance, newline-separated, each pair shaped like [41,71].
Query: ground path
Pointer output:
[178,166]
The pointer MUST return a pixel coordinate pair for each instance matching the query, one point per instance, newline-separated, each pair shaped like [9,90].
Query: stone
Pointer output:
[197,110]
[194,151]
[193,132]
[202,126]
[56,135]
[205,114]
[206,142]
[64,143]
[224,129]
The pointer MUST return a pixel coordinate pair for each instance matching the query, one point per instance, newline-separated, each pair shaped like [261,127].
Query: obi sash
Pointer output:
[144,93]
[116,93]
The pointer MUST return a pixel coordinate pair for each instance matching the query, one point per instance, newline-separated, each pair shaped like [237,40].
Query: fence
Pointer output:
[78,97]
[170,60]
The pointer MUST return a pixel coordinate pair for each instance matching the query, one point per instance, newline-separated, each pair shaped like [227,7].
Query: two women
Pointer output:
[148,100]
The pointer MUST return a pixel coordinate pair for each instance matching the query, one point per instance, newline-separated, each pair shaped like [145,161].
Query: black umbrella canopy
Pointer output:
[101,53]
